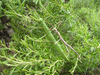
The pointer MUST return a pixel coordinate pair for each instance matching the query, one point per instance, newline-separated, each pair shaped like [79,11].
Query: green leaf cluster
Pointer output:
[31,52]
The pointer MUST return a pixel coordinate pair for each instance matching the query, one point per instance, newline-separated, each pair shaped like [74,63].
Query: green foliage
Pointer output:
[1,27]
[0,8]
[31,52]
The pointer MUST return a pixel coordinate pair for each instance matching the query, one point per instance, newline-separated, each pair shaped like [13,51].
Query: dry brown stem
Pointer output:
[65,42]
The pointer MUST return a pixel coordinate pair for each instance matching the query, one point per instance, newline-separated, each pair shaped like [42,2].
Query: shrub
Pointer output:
[32,52]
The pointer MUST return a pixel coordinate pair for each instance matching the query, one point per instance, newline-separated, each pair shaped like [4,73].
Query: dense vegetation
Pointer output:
[34,48]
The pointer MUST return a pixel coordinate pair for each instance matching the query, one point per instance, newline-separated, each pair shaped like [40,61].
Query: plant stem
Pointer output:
[66,42]
[51,38]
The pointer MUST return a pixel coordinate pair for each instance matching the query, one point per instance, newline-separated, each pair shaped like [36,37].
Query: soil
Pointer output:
[5,36]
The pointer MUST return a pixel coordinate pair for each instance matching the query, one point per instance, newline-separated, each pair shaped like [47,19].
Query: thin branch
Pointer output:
[67,49]
[65,42]
[59,25]
[57,41]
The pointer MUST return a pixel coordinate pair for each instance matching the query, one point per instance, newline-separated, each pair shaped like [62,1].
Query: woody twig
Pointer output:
[66,43]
